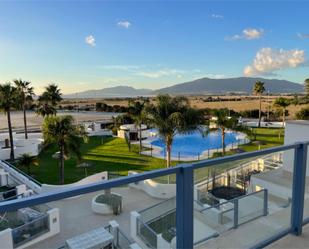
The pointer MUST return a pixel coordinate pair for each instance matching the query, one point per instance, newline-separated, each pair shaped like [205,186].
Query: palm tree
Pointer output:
[26,160]
[223,122]
[48,101]
[63,132]
[171,116]
[136,111]
[7,102]
[282,103]
[307,86]
[259,89]
[25,97]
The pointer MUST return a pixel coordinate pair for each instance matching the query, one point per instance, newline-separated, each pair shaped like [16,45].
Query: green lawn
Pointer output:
[269,137]
[114,156]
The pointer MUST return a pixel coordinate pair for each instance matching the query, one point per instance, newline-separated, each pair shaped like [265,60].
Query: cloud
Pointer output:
[215,76]
[216,16]
[161,73]
[247,34]
[268,60]
[153,71]
[90,40]
[303,36]
[124,24]
[251,34]
[119,67]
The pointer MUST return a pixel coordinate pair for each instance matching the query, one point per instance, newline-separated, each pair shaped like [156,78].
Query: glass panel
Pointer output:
[241,203]
[156,225]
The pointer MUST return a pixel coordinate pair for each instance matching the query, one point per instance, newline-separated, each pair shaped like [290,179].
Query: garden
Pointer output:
[113,155]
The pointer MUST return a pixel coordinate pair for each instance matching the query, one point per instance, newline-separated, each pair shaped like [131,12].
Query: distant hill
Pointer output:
[241,85]
[112,92]
[235,85]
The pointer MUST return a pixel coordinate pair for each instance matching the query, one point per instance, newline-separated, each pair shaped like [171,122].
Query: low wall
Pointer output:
[263,124]
[90,179]
[6,239]
[99,133]
[162,243]
[154,189]
[102,208]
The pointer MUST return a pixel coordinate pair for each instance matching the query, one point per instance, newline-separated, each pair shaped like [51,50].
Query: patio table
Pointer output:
[94,239]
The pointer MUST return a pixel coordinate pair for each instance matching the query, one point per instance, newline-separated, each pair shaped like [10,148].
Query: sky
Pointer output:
[83,45]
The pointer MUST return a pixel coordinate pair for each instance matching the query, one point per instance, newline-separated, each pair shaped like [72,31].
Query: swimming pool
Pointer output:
[194,144]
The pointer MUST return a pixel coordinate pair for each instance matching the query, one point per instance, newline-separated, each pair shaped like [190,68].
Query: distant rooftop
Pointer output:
[300,122]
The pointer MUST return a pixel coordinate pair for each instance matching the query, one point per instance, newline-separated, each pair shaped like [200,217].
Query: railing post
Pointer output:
[265,212]
[184,207]
[235,212]
[298,191]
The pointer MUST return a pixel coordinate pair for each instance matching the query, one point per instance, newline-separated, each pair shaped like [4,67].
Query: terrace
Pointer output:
[258,218]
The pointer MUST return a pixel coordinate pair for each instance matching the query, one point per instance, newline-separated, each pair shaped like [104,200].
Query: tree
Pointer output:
[49,100]
[136,111]
[303,114]
[120,120]
[306,86]
[171,116]
[26,160]
[67,136]
[7,103]
[259,89]
[223,122]
[25,98]
[282,104]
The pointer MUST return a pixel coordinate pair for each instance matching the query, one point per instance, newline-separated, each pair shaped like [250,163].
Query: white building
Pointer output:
[133,132]
[279,181]
[31,146]
[99,128]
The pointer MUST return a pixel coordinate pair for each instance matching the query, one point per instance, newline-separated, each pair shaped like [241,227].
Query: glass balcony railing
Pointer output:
[240,201]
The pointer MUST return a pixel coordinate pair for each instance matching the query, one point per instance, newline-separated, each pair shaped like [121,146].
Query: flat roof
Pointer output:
[299,122]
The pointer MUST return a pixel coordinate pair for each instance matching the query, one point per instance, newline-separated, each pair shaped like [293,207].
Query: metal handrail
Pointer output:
[158,204]
[89,188]
[11,198]
[230,201]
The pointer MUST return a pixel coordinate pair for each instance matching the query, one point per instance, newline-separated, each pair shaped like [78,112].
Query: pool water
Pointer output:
[194,144]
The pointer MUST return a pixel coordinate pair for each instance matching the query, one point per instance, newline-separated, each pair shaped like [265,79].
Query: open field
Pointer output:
[246,103]
[113,155]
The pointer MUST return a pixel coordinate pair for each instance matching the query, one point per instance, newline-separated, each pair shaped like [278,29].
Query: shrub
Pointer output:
[251,113]
[303,114]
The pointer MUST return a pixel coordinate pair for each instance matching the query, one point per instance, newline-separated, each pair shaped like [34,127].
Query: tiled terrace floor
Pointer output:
[291,241]
[77,217]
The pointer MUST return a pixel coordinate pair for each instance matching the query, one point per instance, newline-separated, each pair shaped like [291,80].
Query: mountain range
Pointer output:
[207,86]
